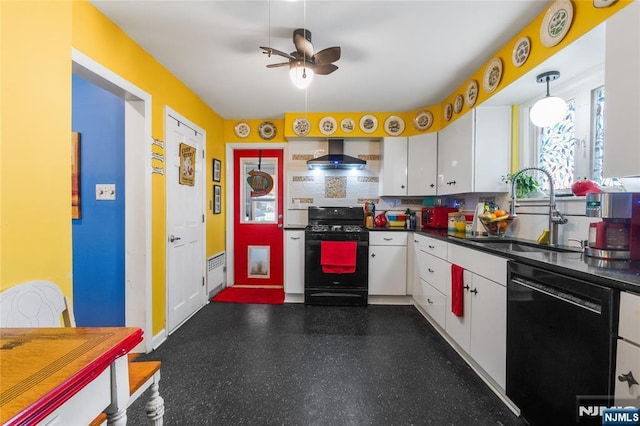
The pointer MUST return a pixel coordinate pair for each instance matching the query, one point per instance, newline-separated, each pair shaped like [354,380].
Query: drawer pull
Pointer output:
[430,270]
[387,239]
[628,378]
[295,238]
[432,247]
[429,301]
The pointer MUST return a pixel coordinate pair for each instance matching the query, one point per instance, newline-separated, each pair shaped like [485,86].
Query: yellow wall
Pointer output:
[35,179]
[37,39]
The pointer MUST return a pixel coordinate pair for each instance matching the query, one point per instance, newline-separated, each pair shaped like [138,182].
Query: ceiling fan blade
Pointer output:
[327,56]
[302,41]
[324,69]
[271,51]
[282,64]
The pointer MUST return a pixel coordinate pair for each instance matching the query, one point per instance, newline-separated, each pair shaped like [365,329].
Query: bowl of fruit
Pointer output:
[496,222]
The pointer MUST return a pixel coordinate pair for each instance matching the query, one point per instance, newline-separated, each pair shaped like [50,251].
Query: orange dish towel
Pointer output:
[338,257]
[457,290]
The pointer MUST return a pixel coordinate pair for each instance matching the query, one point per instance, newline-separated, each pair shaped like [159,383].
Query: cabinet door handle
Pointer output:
[474,291]
[402,186]
[628,378]
[430,270]
[373,255]
[415,241]
[432,247]
[466,287]
[432,185]
[429,301]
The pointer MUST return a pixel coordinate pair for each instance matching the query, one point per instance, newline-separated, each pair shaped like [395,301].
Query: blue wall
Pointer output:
[98,236]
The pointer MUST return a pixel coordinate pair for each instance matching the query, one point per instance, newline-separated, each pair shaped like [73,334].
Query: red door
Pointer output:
[258,232]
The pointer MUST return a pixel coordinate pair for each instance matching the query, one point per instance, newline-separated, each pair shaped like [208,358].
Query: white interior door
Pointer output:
[185,221]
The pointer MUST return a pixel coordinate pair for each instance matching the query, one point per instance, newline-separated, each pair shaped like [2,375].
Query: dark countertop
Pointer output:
[575,263]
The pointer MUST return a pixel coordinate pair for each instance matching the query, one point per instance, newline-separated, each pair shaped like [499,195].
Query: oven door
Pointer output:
[323,288]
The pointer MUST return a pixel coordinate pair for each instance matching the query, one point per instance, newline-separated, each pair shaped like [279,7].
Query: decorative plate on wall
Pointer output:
[301,126]
[368,124]
[347,125]
[457,104]
[267,130]
[448,112]
[242,129]
[471,94]
[423,120]
[492,75]
[521,51]
[556,22]
[603,3]
[328,125]
[394,125]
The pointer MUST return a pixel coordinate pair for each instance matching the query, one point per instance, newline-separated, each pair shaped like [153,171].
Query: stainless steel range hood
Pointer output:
[336,159]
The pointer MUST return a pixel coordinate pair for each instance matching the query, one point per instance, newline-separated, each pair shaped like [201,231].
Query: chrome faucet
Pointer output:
[555,217]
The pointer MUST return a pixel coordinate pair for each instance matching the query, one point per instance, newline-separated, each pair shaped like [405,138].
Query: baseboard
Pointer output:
[159,339]
[216,290]
[390,300]
[293,298]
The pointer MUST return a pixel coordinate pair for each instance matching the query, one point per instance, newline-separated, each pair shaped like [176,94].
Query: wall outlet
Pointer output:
[105,191]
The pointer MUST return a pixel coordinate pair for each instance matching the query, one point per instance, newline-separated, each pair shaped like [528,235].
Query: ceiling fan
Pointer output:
[303,63]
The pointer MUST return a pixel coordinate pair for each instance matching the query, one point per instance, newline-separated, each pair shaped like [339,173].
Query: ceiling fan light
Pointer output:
[301,75]
[548,111]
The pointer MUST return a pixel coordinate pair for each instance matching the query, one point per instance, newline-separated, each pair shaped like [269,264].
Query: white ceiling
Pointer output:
[396,55]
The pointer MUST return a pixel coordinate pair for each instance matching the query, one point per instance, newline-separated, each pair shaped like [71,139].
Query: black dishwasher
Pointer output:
[561,339]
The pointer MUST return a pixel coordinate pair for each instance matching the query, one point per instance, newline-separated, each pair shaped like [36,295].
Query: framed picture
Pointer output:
[259,262]
[217,199]
[217,165]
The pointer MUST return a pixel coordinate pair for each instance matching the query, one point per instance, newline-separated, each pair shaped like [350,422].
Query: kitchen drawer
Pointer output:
[484,264]
[434,270]
[629,327]
[433,302]
[628,362]
[431,246]
[387,238]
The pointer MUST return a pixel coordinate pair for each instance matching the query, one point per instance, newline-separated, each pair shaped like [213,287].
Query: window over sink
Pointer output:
[573,148]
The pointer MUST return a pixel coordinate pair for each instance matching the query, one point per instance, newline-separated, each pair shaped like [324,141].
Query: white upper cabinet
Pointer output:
[422,164]
[622,85]
[409,165]
[474,152]
[393,166]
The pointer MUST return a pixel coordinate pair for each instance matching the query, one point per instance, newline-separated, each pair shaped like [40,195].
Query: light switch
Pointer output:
[105,191]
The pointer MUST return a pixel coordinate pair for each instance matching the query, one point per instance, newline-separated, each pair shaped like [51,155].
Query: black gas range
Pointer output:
[337,257]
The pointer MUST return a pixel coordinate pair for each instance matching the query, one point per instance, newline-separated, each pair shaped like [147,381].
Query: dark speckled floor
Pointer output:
[309,365]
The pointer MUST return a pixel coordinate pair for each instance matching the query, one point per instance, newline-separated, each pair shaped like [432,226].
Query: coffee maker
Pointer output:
[617,236]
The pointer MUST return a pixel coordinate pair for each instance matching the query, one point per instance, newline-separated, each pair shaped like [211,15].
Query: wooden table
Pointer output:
[64,375]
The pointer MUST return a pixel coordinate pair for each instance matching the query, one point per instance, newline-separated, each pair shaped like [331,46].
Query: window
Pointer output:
[573,148]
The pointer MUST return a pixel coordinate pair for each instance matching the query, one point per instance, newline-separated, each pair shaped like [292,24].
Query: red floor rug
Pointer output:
[265,296]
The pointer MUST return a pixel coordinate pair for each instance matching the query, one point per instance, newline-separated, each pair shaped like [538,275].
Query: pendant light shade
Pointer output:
[301,75]
[550,109]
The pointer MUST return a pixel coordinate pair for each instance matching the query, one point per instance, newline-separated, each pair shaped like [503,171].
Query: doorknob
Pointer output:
[172,238]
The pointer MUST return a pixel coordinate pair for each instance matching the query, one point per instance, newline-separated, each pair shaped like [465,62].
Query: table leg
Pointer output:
[117,411]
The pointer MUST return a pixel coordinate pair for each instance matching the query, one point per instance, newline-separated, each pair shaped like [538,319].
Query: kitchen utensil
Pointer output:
[381,220]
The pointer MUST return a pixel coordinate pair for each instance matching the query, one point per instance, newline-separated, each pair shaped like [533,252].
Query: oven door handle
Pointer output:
[558,294]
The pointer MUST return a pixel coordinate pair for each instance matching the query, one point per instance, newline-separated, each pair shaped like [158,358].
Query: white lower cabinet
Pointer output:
[481,331]
[294,262]
[388,263]
[433,274]
[627,376]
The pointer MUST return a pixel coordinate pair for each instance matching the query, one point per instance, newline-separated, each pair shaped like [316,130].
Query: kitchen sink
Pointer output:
[520,246]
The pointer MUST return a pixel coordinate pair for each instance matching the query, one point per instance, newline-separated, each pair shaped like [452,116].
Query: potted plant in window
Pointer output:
[525,184]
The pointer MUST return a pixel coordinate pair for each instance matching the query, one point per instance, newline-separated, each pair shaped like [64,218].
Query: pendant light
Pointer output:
[550,109]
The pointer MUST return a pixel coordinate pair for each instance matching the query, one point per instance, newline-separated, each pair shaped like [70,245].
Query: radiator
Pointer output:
[216,269]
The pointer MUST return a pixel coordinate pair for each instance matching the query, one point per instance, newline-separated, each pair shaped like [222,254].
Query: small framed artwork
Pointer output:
[217,199]
[217,165]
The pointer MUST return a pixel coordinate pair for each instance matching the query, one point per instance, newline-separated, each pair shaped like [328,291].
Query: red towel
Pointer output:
[457,290]
[338,257]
